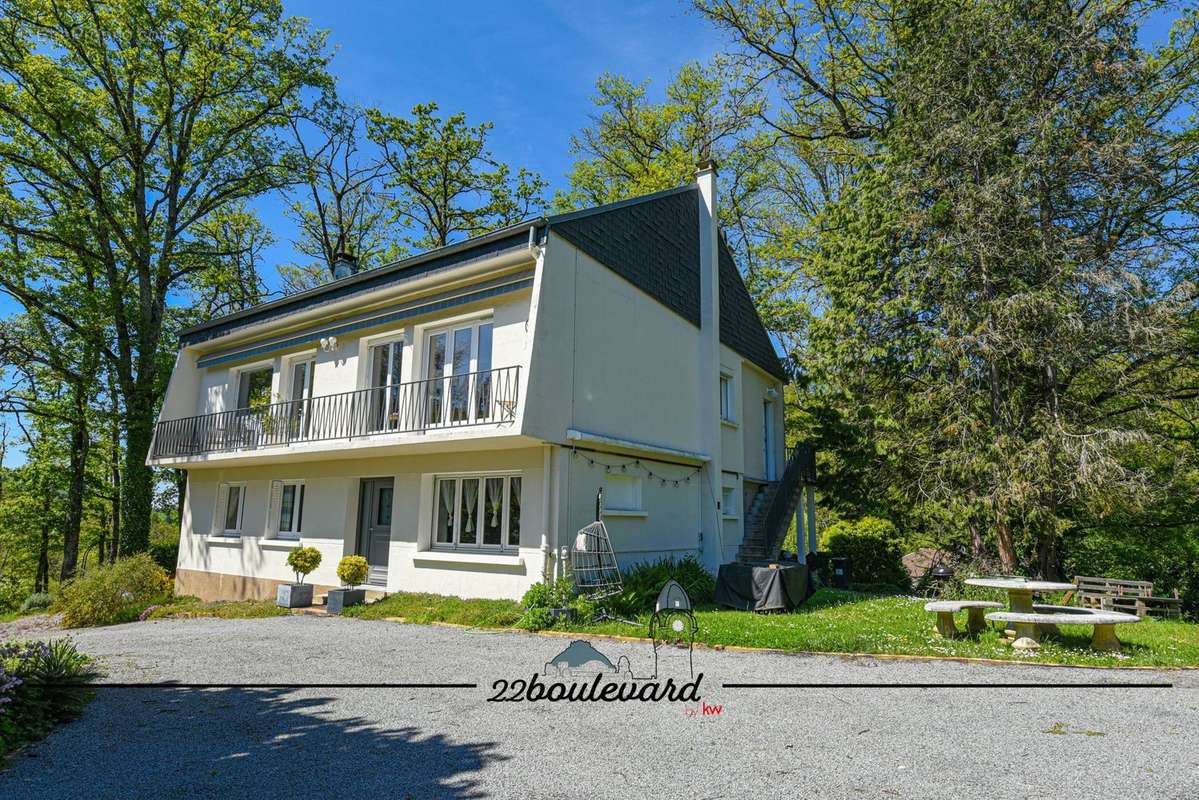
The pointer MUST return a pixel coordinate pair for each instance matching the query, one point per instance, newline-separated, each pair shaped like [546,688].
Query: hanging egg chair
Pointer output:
[592,560]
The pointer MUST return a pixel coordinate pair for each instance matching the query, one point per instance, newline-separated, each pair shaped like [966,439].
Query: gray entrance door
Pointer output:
[374,526]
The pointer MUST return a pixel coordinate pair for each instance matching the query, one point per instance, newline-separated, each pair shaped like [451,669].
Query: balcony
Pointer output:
[433,404]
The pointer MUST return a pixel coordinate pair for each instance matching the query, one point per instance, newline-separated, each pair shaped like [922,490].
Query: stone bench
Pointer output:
[1028,625]
[945,610]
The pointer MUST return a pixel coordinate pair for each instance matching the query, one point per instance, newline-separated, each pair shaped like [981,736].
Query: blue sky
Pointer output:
[530,68]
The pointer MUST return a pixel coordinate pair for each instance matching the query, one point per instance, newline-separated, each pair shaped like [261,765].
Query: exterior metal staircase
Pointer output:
[769,515]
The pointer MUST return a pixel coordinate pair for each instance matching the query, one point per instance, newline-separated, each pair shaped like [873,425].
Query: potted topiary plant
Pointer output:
[302,560]
[352,570]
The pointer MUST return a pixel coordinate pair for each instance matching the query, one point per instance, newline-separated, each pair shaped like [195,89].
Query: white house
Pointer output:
[451,416]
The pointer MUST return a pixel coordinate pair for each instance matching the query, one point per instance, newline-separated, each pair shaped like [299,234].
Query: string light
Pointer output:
[636,465]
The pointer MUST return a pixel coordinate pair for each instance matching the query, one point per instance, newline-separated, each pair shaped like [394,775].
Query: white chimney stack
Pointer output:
[709,361]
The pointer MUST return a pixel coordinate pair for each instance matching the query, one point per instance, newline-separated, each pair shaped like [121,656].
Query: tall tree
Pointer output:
[1007,283]
[448,185]
[141,121]
[339,205]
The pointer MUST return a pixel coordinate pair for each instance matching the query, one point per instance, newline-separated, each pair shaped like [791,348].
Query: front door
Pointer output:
[374,527]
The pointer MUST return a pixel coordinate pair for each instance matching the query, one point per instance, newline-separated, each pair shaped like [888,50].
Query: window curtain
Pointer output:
[470,505]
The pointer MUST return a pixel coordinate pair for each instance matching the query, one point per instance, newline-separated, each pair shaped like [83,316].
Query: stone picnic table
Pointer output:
[1020,590]
[1027,622]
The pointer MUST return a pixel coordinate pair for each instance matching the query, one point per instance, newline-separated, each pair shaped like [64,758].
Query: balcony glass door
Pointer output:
[458,372]
[299,410]
[386,363]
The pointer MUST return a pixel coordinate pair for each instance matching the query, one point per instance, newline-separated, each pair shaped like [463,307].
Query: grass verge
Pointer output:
[425,608]
[835,621]
[186,607]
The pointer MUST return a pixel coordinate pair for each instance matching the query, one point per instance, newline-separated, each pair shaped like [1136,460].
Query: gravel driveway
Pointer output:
[451,743]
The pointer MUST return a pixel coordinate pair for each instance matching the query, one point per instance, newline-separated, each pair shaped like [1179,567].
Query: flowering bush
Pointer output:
[32,699]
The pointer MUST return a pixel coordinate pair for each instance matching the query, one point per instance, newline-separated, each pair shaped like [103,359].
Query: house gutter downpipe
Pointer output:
[708,389]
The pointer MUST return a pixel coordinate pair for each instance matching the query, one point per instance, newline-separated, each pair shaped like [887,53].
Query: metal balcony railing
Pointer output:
[478,398]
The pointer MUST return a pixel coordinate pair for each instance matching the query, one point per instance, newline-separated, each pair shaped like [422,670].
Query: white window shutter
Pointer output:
[272,512]
[218,514]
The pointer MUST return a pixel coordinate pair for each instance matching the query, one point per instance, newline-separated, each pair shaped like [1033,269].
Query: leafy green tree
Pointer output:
[138,122]
[1005,278]
[339,205]
[448,185]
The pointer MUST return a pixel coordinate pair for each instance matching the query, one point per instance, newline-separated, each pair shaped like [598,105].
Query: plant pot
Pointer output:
[343,598]
[294,595]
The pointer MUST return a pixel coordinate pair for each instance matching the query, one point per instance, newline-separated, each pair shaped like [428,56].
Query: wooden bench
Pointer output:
[1028,626]
[945,610]
[1133,597]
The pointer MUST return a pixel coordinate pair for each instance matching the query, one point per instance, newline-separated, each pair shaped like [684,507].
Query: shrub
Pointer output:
[12,592]
[304,560]
[34,601]
[541,597]
[352,570]
[113,593]
[165,554]
[874,548]
[643,582]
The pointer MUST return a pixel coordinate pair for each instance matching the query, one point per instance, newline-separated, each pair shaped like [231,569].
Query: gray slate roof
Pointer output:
[653,242]
[650,241]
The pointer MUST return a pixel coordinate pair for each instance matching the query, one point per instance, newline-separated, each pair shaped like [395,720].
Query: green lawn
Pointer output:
[836,622]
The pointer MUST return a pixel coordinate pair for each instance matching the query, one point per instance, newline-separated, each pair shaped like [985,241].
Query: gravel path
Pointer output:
[449,743]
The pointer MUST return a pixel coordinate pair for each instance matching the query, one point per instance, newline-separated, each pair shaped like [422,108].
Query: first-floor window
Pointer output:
[289,508]
[232,503]
[477,511]
[726,398]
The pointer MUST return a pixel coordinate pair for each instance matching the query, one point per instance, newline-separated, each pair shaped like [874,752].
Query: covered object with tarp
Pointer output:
[762,587]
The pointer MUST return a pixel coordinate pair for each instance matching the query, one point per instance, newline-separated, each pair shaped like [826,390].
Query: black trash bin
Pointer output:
[838,568]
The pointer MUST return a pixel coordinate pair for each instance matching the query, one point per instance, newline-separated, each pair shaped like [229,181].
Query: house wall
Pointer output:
[608,358]
[668,526]
[330,519]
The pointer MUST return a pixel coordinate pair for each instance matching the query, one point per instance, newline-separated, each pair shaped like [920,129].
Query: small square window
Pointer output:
[728,501]
[622,492]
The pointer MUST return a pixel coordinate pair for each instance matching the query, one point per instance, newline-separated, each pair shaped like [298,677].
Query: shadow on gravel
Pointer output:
[232,743]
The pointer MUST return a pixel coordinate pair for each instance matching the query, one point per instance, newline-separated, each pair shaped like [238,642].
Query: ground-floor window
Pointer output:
[477,511]
[287,508]
[231,501]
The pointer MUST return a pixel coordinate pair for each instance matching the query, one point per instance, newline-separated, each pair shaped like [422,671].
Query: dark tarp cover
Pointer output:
[759,588]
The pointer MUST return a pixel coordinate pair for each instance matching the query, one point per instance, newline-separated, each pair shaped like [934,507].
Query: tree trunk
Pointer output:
[137,482]
[41,581]
[976,541]
[1047,561]
[80,444]
[180,494]
[114,542]
[1007,549]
